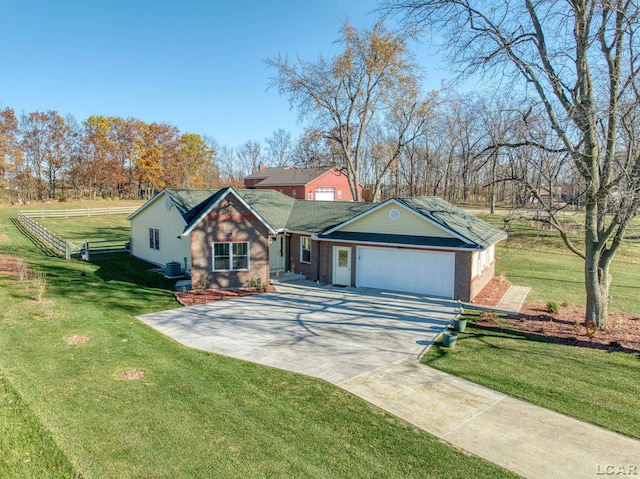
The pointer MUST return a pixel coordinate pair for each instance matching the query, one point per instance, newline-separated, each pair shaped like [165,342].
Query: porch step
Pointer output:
[285,277]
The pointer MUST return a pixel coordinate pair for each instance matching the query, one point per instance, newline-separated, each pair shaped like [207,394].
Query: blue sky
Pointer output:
[198,65]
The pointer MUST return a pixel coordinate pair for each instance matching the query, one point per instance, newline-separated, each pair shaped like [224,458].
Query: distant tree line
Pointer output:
[46,156]
[452,153]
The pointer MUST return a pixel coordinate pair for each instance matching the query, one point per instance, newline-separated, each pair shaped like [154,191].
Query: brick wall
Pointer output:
[230,222]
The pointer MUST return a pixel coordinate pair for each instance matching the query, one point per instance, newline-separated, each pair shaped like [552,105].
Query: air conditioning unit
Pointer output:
[173,269]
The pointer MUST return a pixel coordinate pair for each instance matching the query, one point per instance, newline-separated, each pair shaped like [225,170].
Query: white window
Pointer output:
[339,194]
[325,193]
[230,256]
[310,196]
[482,260]
[305,249]
[154,238]
[294,193]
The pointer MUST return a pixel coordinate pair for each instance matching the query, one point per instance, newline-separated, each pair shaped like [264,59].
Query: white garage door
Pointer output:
[325,193]
[426,272]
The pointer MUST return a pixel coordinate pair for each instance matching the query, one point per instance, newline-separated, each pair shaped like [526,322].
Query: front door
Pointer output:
[342,265]
[276,253]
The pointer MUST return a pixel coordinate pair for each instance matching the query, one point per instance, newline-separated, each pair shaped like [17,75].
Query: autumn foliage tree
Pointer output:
[46,156]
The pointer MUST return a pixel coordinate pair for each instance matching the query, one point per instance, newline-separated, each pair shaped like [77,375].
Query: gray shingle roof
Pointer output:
[315,217]
[274,207]
[287,176]
[190,203]
[318,216]
[455,219]
[409,240]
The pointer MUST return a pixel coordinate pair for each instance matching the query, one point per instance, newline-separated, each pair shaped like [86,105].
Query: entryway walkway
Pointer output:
[513,299]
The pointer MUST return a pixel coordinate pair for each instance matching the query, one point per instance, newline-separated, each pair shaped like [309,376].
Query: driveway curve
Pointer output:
[332,333]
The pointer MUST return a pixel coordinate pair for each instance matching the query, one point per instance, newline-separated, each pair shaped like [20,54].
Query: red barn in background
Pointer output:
[325,184]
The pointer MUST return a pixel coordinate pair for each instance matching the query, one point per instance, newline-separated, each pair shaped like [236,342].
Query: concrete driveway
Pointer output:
[367,342]
[332,333]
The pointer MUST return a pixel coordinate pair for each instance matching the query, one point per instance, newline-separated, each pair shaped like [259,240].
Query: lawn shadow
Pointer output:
[516,334]
[37,242]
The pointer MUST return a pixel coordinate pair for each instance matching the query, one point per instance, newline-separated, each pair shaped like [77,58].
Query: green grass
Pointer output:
[95,228]
[64,411]
[592,385]
[539,259]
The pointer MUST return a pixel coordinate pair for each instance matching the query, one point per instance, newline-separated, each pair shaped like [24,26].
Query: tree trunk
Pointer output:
[492,186]
[597,282]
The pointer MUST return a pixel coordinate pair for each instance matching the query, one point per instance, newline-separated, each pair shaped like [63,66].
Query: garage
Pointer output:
[325,194]
[413,271]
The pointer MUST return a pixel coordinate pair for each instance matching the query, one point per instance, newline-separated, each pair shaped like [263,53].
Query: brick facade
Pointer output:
[231,221]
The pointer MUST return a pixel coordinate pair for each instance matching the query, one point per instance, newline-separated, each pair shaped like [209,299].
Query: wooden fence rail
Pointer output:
[117,210]
[65,248]
[59,246]
[106,246]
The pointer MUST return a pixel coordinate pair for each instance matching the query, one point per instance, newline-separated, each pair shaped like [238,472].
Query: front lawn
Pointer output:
[68,410]
[592,385]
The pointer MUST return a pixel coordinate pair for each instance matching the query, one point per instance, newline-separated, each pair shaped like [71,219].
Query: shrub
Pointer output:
[38,281]
[257,284]
[553,307]
[22,269]
[502,278]
[200,281]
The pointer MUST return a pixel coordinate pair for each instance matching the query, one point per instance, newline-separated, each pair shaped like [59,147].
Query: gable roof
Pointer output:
[455,219]
[264,172]
[185,201]
[206,206]
[468,231]
[325,218]
[272,205]
[287,176]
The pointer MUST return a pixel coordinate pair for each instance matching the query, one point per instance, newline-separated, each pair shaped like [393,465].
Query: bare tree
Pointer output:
[311,150]
[249,158]
[578,59]
[345,94]
[279,147]
[9,150]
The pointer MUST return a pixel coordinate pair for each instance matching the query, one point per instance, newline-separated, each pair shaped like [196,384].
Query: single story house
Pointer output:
[226,238]
[320,184]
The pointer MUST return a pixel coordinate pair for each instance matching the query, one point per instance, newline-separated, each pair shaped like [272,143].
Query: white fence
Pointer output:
[55,243]
[117,210]
[64,248]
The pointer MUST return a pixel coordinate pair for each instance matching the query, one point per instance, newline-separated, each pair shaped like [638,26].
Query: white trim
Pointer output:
[223,196]
[153,200]
[302,238]
[334,264]
[230,243]
[406,208]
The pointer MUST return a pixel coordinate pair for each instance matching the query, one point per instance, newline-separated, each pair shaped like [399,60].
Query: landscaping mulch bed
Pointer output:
[566,327]
[492,293]
[203,296]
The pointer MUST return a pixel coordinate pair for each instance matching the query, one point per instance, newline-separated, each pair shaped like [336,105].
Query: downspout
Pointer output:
[319,243]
